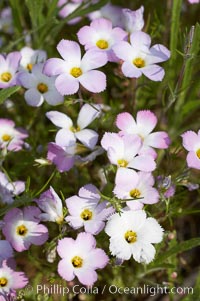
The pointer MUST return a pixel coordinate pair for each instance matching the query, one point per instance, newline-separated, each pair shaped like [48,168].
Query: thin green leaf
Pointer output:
[5,93]
[179,248]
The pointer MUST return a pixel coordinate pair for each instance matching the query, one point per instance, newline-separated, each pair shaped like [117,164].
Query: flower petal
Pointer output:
[94,81]
[59,119]
[130,70]
[143,163]
[158,140]
[154,72]
[140,40]
[53,98]
[125,122]
[66,270]
[87,114]
[70,51]
[55,66]
[93,59]
[146,122]
[66,84]
[65,137]
[33,97]
[192,160]
[88,137]
[190,139]
[27,80]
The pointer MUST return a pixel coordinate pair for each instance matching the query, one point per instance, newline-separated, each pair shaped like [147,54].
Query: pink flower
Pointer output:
[21,228]
[8,69]
[72,70]
[87,114]
[123,152]
[143,127]
[191,142]
[87,210]
[9,189]
[132,185]
[80,258]
[11,138]
[194,1]
[101,36]
[139,58]
[10,281]
[68,9]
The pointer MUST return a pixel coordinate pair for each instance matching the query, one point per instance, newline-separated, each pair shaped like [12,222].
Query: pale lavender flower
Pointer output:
[101,36]
[110,12]
[87,114]
[11,138]
[63,157]
[73,70]
[6,251]
[50,203]
[21,228]
[8,69]
[39,87]
[9,189]
[6,20]
[139,58]
[133,20]
[87,211]
[80,258]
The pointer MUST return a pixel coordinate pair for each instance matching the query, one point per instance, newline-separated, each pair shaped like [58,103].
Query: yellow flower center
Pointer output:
[22,230]
[138,62]
[29,67]
[130,236]
[42,88]
[198,153]
[3,282]
[86,215]
[102,44]
[75,129]
[122,163]
[6,77]
[135,193]
[6,137]
[76,72]
[77,261]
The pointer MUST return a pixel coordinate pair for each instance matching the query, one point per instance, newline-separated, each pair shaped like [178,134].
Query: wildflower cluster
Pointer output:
[109,213]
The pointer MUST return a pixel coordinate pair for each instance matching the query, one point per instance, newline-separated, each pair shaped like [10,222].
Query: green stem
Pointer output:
[192,49]
[46,184]
[175,21]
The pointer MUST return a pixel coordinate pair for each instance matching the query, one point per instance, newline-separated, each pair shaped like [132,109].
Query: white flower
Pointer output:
[86,115]
[132,234]
[50,203]
[31,57]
